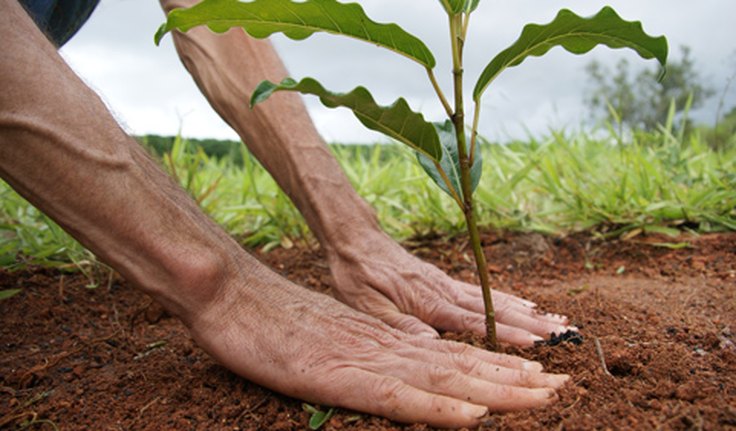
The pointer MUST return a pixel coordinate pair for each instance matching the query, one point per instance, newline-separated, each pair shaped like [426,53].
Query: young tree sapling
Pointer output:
[447,153]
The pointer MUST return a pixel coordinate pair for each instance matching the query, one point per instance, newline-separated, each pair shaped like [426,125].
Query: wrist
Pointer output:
[348,225]
[194,278]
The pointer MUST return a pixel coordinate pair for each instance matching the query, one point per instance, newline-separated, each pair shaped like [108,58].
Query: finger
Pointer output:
[529,322]
[518,303]
[502,296]
[453,383]
[390,397]
[475,291]
[450,317]
[550,317]
[473,366]
[462,349]
[514,314]
[515,336]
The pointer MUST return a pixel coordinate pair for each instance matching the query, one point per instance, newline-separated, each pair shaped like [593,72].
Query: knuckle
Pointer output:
[465,364]
[503,310]
[441,377]
[440,406]
[524,378]
[431,307]
[472,321]
[454,349]
[389,392]
[505,392]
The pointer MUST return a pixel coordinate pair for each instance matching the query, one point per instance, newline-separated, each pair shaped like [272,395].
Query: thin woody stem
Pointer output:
[482,266]
[457,30]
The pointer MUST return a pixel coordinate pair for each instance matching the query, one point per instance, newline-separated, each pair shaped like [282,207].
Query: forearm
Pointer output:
[62,150]
[279,133]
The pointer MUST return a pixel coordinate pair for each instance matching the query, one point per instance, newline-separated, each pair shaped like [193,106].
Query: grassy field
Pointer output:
[648,182]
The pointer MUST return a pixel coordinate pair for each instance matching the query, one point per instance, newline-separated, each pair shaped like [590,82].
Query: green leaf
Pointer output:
[672,246]
[577,35]
[471,5]
[297,20]
[397,121]
[460,6]
[450,162]
[319,418]
[9,293]
[664,230]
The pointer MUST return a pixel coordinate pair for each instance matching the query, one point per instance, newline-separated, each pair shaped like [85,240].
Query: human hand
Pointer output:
[377,276]
[312,347]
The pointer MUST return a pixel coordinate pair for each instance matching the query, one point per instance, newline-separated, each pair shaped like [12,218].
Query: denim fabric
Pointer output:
[59,19]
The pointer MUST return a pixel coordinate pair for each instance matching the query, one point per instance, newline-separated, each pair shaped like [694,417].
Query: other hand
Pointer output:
[377,276]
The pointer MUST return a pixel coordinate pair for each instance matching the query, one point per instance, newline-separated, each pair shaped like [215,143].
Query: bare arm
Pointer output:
[279,133]
[63,151]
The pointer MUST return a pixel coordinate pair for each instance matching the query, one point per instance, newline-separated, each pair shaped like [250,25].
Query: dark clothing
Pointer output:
[59,19]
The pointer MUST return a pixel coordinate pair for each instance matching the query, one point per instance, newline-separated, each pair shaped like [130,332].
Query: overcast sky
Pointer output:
[150,92]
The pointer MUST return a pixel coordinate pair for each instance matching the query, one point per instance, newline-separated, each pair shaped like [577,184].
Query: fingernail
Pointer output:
[573,328]
[473,411]
[560,330]
[532,366]
[535,339]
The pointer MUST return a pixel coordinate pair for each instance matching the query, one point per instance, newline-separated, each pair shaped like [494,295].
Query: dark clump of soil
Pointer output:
[657,320]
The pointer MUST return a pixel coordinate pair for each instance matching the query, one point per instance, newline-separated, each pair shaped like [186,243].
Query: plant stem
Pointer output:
[440,94]
[449,185]
[482,267]
[457,31]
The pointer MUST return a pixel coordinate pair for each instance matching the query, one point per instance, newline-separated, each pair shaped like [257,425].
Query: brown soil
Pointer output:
[662,319]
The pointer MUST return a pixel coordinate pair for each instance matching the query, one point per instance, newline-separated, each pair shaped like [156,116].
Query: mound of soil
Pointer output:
[658,319]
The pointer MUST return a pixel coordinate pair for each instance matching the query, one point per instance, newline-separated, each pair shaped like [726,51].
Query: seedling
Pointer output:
[318,417]
[448,151]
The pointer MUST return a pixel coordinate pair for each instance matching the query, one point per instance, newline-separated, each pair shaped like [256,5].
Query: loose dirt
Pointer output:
[662,319]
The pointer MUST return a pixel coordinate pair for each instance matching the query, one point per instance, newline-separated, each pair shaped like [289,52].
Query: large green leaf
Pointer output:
[450,162]
[297,20]
[577,35]
[397,121]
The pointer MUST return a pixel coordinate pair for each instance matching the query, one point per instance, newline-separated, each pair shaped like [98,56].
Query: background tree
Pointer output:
[638,100]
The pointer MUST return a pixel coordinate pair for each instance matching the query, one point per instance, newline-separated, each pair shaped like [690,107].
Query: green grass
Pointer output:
[654,182]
